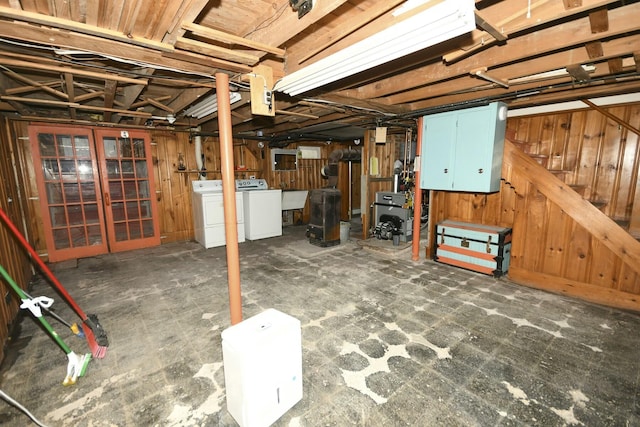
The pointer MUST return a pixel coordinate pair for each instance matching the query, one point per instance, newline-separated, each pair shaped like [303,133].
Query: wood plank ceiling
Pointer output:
[145,62]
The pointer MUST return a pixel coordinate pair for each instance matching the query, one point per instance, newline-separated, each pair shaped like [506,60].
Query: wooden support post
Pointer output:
[229,197]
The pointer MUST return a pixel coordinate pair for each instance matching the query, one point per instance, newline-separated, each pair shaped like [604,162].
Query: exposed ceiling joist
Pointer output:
[74,71]
[65,24]
[223,37]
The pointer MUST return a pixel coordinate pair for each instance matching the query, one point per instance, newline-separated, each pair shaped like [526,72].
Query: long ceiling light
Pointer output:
[444,21]
[209,105]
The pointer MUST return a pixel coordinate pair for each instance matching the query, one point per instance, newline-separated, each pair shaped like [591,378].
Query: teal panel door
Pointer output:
[438,151]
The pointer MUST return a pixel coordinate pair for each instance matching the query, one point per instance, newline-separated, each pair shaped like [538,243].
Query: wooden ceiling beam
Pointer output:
[15,104]
[594,49]
[75,71]
[216,51]
[599,21]
[187,97]
[211,64]
[89,95]
[43,87]
[71,93]
[570,4]
[96,45]
[296,114]
[131,92]
[211,34]
[110,87]
[538,14]
[65,24]
[483,23]
[75,105]
[615,65]
[156,103]
[614,48]
[30,88]
[518,50]
[188,12]
[147,101]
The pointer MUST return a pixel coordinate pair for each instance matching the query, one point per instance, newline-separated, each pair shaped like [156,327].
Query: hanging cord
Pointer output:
[15,403]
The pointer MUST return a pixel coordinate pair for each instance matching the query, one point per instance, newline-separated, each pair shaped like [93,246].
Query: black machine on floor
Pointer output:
[324,224]
[392,218]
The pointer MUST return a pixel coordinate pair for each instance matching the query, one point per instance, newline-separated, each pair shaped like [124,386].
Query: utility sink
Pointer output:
[294,199]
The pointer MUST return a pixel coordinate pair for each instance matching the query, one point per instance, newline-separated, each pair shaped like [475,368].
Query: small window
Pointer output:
[284,160]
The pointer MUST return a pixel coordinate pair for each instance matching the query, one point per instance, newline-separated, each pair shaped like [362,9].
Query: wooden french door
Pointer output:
[95,193]
[128,189]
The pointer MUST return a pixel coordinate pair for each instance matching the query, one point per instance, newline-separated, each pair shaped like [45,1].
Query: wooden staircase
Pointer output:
[565,176]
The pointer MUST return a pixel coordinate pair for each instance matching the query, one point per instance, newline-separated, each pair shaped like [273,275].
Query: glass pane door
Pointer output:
[127,182]
[67,177]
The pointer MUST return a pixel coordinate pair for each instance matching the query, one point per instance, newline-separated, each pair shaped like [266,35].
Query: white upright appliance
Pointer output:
[262,209]
[262,367]
[208,213]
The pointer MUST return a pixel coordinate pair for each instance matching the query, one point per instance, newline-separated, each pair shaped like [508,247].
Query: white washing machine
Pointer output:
[208,213]
[262,209]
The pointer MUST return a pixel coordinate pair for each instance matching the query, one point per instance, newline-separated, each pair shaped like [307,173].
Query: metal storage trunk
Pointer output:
[482,248]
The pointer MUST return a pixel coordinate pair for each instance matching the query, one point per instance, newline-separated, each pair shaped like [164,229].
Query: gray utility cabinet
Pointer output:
[462,150]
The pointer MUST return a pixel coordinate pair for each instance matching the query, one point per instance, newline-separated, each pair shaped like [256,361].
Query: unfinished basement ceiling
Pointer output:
[146,62]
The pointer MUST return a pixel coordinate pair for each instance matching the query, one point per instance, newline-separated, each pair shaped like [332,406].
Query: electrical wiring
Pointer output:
[277,14]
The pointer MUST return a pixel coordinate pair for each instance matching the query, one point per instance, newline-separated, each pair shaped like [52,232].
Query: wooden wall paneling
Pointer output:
[578,253]
[508,204]
[629,280]
[558,151]
[603,267]
[592,153]
[607,182]
[31,213]
[12,256]
[535,129]
[630,170]
[535,226]
[174,197]
[546,136]
[211,152]
[554,239]
[577,124]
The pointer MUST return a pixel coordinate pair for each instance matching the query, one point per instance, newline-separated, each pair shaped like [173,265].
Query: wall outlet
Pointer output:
[267,98]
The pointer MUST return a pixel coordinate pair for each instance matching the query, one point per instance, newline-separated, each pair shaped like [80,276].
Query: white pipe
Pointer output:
[198,141]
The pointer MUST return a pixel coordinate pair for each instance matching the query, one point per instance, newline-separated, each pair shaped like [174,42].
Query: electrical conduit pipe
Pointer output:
[417,199]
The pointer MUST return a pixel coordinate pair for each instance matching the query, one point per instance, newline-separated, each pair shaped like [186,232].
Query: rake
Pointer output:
[95,334]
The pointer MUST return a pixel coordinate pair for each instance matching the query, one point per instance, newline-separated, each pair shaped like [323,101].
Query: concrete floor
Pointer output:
[385,342]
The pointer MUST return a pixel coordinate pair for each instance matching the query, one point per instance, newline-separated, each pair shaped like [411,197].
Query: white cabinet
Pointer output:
[462,150]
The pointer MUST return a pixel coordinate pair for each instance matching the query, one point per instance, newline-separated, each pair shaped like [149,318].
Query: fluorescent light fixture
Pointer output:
[209,105]
[444,21]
